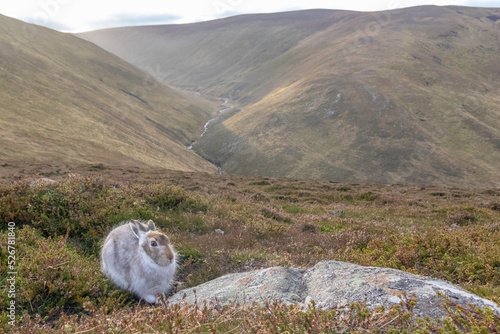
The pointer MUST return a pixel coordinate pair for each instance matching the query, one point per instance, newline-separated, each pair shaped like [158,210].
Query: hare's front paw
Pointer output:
[150,298]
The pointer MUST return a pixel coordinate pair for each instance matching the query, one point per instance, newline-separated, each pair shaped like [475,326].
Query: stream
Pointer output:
[207,124]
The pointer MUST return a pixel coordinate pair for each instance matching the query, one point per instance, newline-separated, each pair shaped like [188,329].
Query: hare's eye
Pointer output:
[153,243]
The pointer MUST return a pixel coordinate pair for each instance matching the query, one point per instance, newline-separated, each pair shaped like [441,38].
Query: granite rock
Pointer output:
[332,284]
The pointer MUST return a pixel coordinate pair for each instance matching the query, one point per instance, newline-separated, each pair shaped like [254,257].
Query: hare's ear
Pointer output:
[136,229]
[151,225]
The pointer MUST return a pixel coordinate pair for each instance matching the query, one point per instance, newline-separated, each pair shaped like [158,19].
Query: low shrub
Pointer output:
[52,277]
[61,226]
[270,317]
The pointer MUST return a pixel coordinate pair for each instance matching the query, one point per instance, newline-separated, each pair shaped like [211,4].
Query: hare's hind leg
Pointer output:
[110,265]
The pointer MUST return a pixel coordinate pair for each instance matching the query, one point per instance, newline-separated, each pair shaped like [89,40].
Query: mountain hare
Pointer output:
[140,259]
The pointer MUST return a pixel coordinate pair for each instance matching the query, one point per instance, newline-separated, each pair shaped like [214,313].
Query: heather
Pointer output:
[447,233]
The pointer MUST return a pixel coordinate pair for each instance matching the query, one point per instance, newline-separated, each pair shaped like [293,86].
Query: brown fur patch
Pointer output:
[155,254]
[160,238]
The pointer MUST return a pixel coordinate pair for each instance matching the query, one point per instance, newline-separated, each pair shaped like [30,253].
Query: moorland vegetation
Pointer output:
[447,233]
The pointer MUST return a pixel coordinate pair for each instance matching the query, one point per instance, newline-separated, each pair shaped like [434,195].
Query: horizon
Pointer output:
[69,15]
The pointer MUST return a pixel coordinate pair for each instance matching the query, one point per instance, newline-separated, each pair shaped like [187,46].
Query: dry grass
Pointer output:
[446,233]
[273,317]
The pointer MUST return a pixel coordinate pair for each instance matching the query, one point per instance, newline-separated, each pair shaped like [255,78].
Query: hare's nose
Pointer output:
[169,254]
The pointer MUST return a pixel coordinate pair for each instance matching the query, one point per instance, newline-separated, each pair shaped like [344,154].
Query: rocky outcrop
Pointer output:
[332,284]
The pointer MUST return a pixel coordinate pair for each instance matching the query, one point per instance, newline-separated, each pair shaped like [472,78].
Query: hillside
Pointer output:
[65,100]
[404,96]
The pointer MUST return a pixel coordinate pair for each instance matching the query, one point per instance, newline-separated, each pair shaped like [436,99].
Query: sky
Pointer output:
[85,15]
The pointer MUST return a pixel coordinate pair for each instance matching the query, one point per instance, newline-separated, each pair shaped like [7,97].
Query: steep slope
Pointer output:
[399,96]
[218,58]
[63,99]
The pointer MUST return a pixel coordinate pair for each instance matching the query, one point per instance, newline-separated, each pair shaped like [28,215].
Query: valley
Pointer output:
[403,96]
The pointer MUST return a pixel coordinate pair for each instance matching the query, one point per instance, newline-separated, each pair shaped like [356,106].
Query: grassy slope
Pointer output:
[447,233]
[400,96]
[63,99]
[401,116]
[213,57]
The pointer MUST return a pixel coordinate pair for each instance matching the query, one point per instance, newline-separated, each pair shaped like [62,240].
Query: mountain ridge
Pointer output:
[403,96]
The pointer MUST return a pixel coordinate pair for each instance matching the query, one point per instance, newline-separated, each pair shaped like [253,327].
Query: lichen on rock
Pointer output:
[333,285]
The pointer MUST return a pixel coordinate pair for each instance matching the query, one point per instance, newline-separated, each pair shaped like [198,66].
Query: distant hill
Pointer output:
[63,99]
[404,96]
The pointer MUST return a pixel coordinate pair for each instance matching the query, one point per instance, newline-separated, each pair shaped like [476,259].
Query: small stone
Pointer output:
[336,213]
[219,231]
[41,181]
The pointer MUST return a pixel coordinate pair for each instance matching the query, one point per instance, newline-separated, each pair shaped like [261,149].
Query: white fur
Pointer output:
[125,262]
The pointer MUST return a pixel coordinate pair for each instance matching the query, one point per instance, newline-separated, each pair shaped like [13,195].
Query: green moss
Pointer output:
[328,226]
[260,183]
[183,222]
[368,196]
[189,253]
[168,197]
[294,209]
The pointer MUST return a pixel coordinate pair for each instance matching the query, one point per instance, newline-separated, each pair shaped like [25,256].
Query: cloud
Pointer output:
[52,24]
[79,16]
[74,18]
[483,3]
[134,19]
[128,19]
[60,26]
